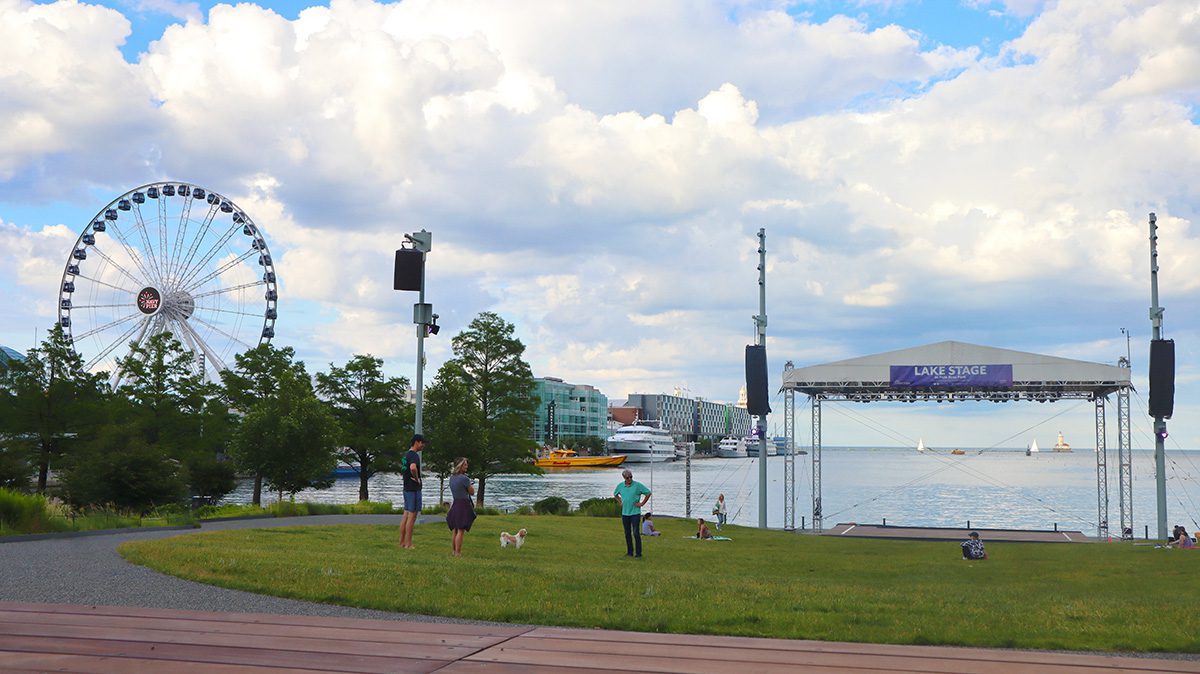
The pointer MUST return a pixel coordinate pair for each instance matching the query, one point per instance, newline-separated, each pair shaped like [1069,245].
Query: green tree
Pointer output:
[168,395]
[176,411]
[452,426]
[488,363]
[372,414]
[120,468]
[255,378]
[51,402]
[289,438]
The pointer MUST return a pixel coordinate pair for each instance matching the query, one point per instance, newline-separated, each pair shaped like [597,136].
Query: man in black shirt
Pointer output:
[411,472]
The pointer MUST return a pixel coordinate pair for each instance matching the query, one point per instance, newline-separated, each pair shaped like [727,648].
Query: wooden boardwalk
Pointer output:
[67,638]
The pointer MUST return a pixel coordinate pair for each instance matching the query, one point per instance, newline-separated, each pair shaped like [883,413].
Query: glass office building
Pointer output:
[578,410]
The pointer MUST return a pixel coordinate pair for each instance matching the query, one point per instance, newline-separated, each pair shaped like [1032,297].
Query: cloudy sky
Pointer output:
[595,172]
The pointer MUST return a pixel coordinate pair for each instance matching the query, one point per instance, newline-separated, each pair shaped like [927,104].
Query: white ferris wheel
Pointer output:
[168,257]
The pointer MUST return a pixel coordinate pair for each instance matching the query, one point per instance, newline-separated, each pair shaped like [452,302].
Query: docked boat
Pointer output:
[567,458]
[1061,445]
[641,443]
[732,448]
[752,445]
[957,452]
[1032,448]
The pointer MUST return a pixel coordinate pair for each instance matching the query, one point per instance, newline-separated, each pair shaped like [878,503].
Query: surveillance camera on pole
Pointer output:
[410,275]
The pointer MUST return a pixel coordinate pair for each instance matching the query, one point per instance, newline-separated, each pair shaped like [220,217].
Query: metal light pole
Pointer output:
[1160,426]
[423,318]
[760,323]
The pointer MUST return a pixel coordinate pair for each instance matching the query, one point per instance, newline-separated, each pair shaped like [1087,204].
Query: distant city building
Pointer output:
[691,419]
[579,410]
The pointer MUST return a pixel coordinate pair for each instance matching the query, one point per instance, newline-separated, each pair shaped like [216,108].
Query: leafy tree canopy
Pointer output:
[372,413]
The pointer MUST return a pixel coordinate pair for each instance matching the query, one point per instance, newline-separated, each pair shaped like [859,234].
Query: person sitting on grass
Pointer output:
[702,531]
[648,526]
[1181,540]
[972,548]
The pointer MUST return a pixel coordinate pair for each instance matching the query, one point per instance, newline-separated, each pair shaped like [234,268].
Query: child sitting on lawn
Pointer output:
[648,526]
[972,548]
[702,531]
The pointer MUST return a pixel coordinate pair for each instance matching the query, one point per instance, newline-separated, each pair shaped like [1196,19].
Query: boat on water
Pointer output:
[568,458]
[921,445]
[1032,448]
[732,448]
[1061,445]
[641,443]
[753,443]
[957,452]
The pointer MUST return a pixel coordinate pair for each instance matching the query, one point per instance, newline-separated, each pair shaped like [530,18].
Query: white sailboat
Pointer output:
[921,445]
[1032,448]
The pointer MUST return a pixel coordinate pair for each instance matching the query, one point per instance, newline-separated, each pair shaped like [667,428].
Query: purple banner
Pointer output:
[983,376]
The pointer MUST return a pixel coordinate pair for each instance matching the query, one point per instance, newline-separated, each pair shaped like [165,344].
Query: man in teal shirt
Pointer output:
[627,494]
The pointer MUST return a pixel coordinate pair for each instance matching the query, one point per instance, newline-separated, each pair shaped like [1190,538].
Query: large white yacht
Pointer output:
[753,443]
[732,448]
[642,444]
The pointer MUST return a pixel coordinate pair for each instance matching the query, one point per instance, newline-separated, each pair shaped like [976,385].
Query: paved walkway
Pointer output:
[853,530]
[74,605]
[41,637]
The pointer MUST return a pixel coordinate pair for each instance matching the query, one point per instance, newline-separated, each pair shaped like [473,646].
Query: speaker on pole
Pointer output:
[1162,378]
[757,398]
[409,267]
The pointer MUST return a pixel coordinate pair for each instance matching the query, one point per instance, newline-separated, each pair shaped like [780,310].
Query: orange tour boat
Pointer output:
[567,458]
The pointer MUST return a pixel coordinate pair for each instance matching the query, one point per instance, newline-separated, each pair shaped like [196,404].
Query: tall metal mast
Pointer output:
[1160,426]
[760,323]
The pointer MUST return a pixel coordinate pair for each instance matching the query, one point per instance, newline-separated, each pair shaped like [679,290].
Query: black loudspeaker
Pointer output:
[1162,377]
[757,400]
[410,265]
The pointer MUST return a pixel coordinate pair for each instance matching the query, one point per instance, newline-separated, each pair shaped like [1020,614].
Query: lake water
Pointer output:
[991,489]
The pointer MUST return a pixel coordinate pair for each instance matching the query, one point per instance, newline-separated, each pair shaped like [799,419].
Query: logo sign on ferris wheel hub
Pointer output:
[149,300]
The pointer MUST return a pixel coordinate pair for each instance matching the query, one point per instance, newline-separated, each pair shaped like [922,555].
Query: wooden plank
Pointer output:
[420,651]
[366,663]
[678,665]
[469,667]
[464,628]
[587,650]
[396,634]
[41,662]
[1115,661]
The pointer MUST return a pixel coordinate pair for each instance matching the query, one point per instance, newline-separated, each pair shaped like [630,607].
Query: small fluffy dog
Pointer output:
[506,539]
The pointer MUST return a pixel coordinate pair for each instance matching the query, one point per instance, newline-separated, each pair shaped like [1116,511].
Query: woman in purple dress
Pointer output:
[462,510]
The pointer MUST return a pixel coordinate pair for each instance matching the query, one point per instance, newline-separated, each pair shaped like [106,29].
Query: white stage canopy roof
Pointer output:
[947,371]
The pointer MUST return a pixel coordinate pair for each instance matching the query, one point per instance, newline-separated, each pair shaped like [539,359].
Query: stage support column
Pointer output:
[816,463]
[1101,472]
[789,459]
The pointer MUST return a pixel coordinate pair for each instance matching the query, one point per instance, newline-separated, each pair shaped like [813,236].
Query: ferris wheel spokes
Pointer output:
[144,232]
[191,254]
[221,270]
[131,277]
[96,280]
[106,326]
[214,327]
[221,291]
[209,255]
[129,250]
[145,323]
[204,347]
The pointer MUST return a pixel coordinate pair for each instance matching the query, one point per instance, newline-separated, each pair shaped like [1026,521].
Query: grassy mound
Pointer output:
[573,571]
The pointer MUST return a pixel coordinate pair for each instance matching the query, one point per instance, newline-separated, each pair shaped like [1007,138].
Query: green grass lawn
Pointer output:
[573,571]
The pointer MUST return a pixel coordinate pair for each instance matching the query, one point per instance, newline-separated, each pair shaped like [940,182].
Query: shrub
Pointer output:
[600,507]
[525,510]
[552,505]
[439,509]
[23,512]
[488,510]
[372,508]
[135,477]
